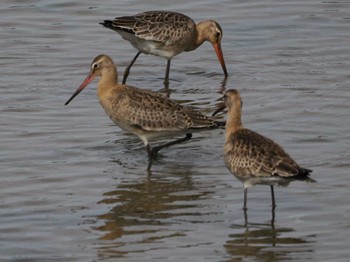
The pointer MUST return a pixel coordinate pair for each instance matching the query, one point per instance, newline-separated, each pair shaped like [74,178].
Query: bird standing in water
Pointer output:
[166,34]
[253,158]
[146,114]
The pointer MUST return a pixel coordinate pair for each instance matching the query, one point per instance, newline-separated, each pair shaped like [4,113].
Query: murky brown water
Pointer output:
[73,186]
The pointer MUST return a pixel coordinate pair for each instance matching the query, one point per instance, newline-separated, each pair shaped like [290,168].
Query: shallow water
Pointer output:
[74,187]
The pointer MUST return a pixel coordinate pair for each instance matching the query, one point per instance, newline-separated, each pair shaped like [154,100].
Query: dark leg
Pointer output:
[245,217]
[166,78]
[149,154]
[273,198]
[155,149]
[127,69]
[245,199]
[273,218]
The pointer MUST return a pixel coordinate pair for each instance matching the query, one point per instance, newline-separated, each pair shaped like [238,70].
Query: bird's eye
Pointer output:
[94,66]
[218,34]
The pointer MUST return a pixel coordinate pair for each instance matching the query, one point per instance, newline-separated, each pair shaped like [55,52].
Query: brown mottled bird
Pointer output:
[253,158]
[166,34]
[147,114]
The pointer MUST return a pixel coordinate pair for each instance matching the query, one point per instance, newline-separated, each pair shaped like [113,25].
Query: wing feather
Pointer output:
[152,111]
[158,26]
[249,153]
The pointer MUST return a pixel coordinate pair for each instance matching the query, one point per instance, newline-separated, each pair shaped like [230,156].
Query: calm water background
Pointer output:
[73,187]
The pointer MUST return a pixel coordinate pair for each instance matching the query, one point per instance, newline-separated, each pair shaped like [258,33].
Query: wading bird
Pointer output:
[253,158]
[146,114]
[166,34]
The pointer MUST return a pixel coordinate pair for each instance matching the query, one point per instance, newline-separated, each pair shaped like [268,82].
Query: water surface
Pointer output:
[74,187]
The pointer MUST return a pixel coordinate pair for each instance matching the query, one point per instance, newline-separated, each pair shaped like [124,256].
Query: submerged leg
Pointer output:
[166,78]
[273,218]
[127,69]
[273,198]
[245,217]
[149,154]
[155,149]
[245,199]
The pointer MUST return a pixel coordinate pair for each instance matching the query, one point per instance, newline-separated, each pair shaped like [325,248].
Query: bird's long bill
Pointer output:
[218,51]
[87,81]
[221,107]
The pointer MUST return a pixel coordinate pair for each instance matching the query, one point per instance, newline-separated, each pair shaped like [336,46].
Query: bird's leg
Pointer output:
[273,218]
[166,78]
[127,69]
[245,217]
[150,158]
[155,149]
[273,198]
[245,199]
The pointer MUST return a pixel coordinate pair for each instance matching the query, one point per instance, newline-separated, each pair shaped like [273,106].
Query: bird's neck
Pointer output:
[199,37]
[202,32]
[108,81]
[233,123]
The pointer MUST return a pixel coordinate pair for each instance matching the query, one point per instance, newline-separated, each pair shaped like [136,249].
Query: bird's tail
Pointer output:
[220,124]
[304,175]
[107,24]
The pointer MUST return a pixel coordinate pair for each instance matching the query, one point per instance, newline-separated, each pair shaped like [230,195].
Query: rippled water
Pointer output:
[74,187]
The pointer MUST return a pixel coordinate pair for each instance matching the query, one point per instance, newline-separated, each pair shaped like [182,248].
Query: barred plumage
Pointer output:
[166,34]
[146,114]
[253,158]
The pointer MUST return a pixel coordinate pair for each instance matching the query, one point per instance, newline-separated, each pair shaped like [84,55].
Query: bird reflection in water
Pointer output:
[266,242]
[147,211]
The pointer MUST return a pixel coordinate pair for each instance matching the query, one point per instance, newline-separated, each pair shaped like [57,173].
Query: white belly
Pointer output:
[151,47]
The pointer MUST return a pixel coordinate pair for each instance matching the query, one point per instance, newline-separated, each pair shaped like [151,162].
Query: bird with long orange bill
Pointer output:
[146,114]
[166,34]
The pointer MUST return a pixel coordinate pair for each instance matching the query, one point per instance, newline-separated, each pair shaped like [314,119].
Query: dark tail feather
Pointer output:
[220,123]
[304,175]
[111,25]
[107,24]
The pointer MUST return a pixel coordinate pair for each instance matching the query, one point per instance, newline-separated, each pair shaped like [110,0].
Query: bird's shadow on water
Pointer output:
[169,88]
[272,221]
[145,210]
[222,86]
[266,241]
[133,156]
[131,152]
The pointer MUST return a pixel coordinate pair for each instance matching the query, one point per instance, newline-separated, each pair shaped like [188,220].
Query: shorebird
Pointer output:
[146,114]
[253,158]
[166,34]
